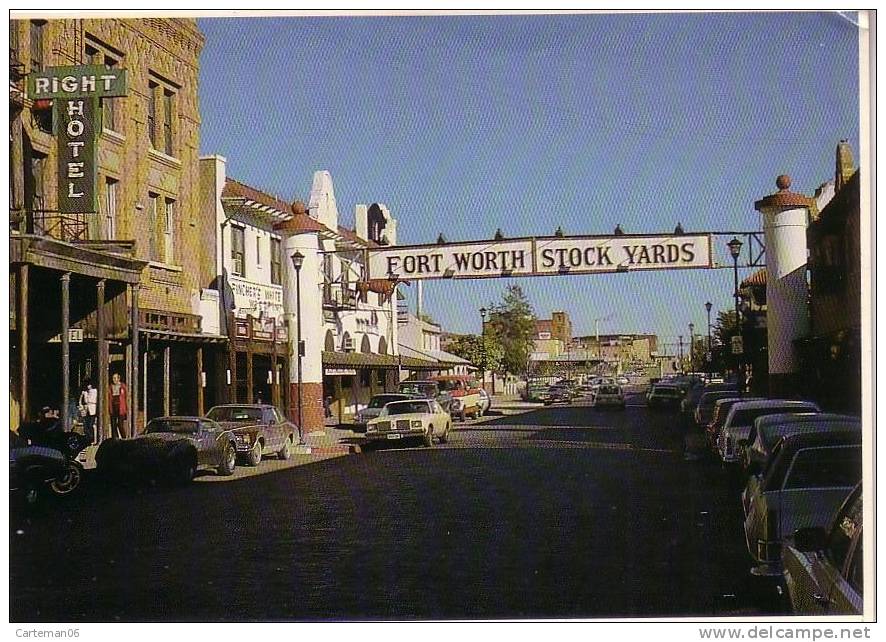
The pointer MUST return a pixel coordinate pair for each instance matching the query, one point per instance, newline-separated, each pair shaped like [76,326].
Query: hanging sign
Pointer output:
[542,257]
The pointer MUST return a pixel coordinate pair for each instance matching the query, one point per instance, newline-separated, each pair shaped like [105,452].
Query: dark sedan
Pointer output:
[558,394]
[258,429]
[172,450]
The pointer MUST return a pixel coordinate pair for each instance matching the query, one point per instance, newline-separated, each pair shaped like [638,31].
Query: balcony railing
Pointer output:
[169,321]
[64,227]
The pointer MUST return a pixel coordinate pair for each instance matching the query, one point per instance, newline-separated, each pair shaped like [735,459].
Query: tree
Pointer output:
[724,329]
[471,347]
[512,325]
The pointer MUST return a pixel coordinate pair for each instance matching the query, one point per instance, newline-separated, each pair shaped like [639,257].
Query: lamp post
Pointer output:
[297,260]
[735,250]
[681,352]
[710,352]
[691,347]
[483,355]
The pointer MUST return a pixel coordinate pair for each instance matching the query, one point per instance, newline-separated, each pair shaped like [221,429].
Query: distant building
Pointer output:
[553,336]
[624,348]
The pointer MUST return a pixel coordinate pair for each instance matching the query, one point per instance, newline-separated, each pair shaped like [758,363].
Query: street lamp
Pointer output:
[483,355]
[298,260]
[681,352]
[710,353]
[735,250]
[691,347]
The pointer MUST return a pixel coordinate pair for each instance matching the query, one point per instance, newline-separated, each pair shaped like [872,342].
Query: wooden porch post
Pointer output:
[23,339]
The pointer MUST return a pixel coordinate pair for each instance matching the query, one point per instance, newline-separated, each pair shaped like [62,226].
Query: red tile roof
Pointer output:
[236,189]
[758,278]
[301,223]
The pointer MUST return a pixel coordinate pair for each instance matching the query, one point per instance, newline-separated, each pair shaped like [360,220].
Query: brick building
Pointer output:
[125,277]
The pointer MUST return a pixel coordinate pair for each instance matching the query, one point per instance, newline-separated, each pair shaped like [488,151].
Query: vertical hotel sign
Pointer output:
[75,93]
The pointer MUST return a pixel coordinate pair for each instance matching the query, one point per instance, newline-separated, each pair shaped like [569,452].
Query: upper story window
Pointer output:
[37,183]
[169,231]
[37,28]
[258,250]
[153,216]
[161,115]
[238,246]
[98,54]
[109,209]
[276,262]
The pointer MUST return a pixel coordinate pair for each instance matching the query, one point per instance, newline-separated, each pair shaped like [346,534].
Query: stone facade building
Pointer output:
[129,274]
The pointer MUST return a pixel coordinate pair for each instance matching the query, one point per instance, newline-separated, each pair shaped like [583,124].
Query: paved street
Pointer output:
[564,511]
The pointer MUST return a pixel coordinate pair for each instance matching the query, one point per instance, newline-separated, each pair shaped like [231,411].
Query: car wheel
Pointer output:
[70,482]
[285,452]
[254,456]
[229,461]
[445,436]
[428,439]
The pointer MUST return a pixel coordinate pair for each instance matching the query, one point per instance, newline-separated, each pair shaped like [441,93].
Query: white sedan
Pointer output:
[423,419]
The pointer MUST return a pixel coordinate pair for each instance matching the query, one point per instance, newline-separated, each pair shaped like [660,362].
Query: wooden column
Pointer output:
[23,339]
[166,373]
[200,400]
[101,413]
[232,366]
[66,350]
[275,384]
[249,391]
[132,384]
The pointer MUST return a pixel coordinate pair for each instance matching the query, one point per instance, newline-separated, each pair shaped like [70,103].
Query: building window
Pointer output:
[37,27]
[276,264]
[38,183]
[97,56]
[327,279]
[238,245]
[366,378]
[169,231]
[153,226]
[109,210]
[153,89]
[258,250]
[168,113]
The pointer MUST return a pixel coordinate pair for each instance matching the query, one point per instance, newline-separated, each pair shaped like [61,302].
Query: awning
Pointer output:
[362,360]
[165,335]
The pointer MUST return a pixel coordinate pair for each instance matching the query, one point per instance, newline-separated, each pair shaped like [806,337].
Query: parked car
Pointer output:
[741,419]
[622,381]
[705,408]
[485,402]
[767,430]
[423,419]
[536,391]
[464,395]
[690,403]
[258,429]
[375,406]
[718,418]
[664,395]
[609,396]
[172,449]
[558,394]
[803,484]
[824,569]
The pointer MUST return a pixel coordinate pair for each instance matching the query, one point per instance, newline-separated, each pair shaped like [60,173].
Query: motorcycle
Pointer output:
[47,459]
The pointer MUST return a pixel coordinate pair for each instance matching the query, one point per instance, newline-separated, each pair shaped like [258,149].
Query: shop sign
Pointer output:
[241,329]
[339,372]
[75,92]
[541,257]
[263,329]
[282,333]
[75,335]
[250,295]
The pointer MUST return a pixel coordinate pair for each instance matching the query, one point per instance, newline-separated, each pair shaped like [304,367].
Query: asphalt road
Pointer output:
[565,511]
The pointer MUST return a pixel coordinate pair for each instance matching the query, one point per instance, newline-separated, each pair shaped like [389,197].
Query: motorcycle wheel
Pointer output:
[70,482]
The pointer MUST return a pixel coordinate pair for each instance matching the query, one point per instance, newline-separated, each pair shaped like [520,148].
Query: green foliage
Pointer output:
[512,325]
[471,347]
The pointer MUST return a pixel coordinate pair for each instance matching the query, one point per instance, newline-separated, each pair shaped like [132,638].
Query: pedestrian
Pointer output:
[117,405]
[327,407]
[88,409]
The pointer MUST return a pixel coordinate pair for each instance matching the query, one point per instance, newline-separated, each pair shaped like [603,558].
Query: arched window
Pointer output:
[382,346]
[347,344]
[329,343]
[365,347]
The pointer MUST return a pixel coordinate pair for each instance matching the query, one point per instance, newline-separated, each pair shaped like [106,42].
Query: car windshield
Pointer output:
[661,391]
[771,432]
[747,416]
[406,407]
[235,413]
[609,390]
[379,401]
[424,389]
[829,467]
[172,425]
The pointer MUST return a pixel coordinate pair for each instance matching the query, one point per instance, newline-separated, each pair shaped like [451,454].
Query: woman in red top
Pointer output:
[117,405]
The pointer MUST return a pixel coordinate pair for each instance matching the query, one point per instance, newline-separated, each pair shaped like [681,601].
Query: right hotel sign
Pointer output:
[542,257]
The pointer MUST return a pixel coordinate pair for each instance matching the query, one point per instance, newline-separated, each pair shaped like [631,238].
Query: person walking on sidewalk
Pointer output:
[88,407]
[117,404]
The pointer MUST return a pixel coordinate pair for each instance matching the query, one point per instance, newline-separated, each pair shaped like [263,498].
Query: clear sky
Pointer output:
[462,125]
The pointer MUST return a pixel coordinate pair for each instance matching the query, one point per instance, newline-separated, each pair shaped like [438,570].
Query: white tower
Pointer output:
[785,218]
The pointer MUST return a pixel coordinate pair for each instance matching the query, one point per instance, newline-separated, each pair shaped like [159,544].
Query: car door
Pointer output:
[271,427]
[208,446]
[441,418]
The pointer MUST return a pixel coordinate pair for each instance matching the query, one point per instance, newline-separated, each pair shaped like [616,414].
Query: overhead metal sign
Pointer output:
[545,256]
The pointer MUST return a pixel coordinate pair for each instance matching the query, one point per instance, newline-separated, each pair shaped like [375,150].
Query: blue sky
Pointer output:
[467,124]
